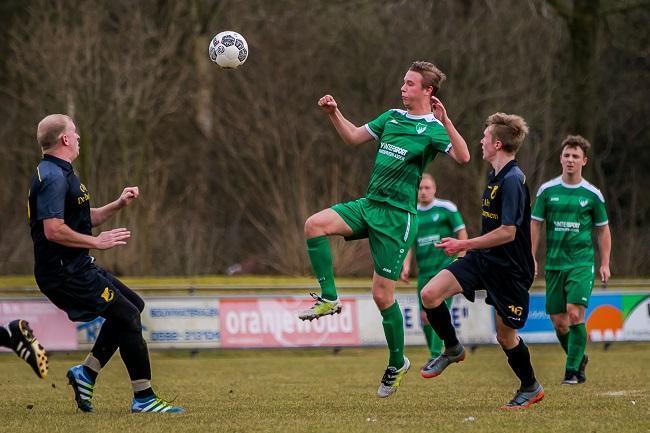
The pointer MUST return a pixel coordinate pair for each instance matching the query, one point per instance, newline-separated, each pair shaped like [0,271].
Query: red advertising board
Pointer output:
[273,322]
[52,327]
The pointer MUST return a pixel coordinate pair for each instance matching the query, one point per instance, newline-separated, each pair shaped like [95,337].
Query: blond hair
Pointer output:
[509,129]
[50,129]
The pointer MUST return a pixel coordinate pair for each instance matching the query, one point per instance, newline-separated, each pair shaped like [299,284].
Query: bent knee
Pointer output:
[313,227]
[430,298]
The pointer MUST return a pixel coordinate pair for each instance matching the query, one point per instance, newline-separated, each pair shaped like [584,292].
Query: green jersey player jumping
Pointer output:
[407,141]
[437,219]
[571,208]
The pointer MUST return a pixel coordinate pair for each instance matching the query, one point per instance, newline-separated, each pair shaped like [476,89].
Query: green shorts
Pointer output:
[571,286]
[390,230]
[422,281]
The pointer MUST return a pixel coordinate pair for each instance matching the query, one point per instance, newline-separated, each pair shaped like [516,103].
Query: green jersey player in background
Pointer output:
[407,141]
[571,208]
[437,219]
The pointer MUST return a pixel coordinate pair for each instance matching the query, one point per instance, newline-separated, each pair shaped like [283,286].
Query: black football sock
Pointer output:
[5,339]
[440,321]
[519,360]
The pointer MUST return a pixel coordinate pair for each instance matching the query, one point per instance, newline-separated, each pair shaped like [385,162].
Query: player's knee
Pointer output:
[312,227]
[574,318]
[139,304]
[430,298]
[133,323]
[382,299]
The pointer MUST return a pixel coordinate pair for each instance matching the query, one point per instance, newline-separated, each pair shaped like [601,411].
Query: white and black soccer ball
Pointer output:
[228,50]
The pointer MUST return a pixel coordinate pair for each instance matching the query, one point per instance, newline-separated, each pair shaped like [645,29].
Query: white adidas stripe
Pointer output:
[82,383]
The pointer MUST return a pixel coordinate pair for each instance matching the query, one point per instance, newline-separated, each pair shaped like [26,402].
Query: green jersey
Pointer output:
[570,212]
[407,143]
[437,220]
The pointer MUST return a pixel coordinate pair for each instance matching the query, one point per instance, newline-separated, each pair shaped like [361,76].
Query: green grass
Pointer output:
[319,391]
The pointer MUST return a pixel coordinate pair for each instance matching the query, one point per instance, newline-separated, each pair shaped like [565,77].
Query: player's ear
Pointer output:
[584,161]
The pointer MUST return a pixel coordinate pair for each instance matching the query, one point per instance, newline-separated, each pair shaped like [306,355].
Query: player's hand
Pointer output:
[438,109]
[327,104]
[605,274]
[452,246]
[112,238]
[404,275]
[128,195]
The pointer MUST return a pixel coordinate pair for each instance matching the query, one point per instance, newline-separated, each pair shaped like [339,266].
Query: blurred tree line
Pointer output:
[230,163]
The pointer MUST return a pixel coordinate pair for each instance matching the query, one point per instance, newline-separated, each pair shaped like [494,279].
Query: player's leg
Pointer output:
[530,391]
[135,354]
[107,339]
[19,337]
[556,305]
[390,237]
[434,342]
[440,288]
[318,228]
[579,285]
[383,290]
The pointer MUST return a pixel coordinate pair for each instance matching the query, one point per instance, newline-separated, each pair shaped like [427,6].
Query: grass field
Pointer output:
[320,391]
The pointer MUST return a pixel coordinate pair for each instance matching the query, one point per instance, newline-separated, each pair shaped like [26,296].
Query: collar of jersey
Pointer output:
[427,207]
[58,161]
[429,117]
[570,186]
[506,168]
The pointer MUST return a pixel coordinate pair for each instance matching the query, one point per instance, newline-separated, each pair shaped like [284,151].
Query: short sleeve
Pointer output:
[456,221]
[539,208]
[376,127]
[512,201]
[50,199]
[440,139]
[600,214]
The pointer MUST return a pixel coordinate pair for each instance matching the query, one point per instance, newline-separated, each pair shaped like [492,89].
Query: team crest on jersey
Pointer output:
[493,191]
[107,295]
[584,202]
[435,217]
[420,128]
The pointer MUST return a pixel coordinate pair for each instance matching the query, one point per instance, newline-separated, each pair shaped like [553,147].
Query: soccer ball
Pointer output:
[228,50]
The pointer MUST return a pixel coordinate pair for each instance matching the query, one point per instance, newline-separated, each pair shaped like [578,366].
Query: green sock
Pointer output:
[394,330]
[577,344]
[320,256]
[434,343]
[564,340]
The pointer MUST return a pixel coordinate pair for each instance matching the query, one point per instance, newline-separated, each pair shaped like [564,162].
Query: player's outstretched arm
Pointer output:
[348,131]
[99,215]
[499,236]
[459,150]
[604,248]
[461,235]
[56,230]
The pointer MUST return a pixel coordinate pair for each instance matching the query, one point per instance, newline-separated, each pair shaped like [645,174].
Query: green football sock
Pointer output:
[577,344]
[394,330]
[434,343]
[564,340]
[320,256]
